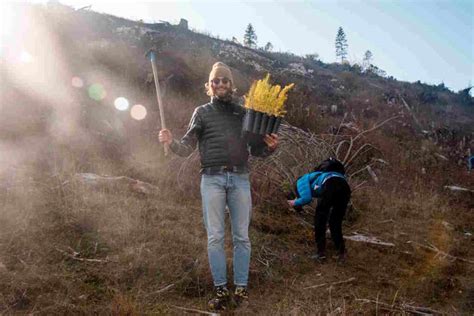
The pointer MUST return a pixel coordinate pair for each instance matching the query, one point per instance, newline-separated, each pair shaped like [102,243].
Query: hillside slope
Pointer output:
[69,246]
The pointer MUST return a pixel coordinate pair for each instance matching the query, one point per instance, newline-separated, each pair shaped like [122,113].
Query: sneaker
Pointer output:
[220,300]
[241,295]
[319,257]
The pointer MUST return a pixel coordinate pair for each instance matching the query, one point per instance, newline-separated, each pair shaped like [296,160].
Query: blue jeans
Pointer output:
[218,190]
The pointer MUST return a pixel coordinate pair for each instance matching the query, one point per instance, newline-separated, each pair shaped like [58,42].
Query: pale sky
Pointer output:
[427,40]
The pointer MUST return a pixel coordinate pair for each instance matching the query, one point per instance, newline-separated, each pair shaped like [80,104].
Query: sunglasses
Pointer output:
[216,81]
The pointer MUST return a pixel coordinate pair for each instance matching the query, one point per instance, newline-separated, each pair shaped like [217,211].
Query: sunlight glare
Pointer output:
[77,82]
[121,104]
[96,92]
[26,57]
[138,112]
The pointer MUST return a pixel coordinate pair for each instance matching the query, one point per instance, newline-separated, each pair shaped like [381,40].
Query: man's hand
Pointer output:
[165,136]
[291,203]
[271,141]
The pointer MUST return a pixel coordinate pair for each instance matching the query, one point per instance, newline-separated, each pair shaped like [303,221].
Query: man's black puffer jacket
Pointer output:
[217,127]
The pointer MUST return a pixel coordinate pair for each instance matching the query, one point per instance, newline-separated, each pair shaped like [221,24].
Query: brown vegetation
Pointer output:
[68,248]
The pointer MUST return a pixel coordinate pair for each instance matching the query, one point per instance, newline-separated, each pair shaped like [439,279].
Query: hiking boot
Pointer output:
[342,257]
[319,257]
[220,300]
[241,295]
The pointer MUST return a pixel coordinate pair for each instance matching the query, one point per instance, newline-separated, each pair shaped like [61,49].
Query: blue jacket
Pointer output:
[312,182]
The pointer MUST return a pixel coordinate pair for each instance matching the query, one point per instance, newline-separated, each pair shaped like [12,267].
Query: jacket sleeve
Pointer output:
[303,186]
[188,142]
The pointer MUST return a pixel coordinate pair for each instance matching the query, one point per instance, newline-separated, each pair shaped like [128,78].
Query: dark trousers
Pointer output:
[331,207]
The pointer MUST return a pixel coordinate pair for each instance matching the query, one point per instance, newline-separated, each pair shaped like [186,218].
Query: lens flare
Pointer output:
[77,82]
[26,57]
[121,104]
[138,112]
[96,92]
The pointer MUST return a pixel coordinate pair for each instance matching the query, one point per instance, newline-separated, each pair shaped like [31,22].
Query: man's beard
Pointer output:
[227,96]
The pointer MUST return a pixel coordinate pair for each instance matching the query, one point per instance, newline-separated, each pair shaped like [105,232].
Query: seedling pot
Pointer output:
[263,124]
[270,124]
[257,122]
[248,120]
[276,126]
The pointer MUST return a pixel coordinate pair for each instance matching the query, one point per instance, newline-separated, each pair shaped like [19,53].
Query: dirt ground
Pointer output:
[67,248]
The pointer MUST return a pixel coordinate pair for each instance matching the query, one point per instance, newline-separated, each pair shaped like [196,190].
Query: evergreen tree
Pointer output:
[312,57]
[372,69]
[367,59]
[341,45]
[268,47]
[250,37]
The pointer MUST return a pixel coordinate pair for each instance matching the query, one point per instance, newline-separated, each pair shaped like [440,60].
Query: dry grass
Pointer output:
[69,248]
[152,253]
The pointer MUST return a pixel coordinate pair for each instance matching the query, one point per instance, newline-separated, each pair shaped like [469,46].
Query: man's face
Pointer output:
[222,87]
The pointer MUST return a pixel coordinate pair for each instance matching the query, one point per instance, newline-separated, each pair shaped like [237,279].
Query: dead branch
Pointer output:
[339,128]
[359,186]
[358,171]
[98,181]
[75,254]
[193,310]
[330,284]
[411,112]
[441,156]
[359,150]
[375,126]
[353,139]
[418,310]
[164,289]
[339,146]
[440,253]
[368,239]
[386,221]
[267,263]
[351,175]
[457,188]
[298,152]
[348,152]
[372,174]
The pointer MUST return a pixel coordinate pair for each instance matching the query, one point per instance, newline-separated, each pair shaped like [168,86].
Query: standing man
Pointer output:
[217,128]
